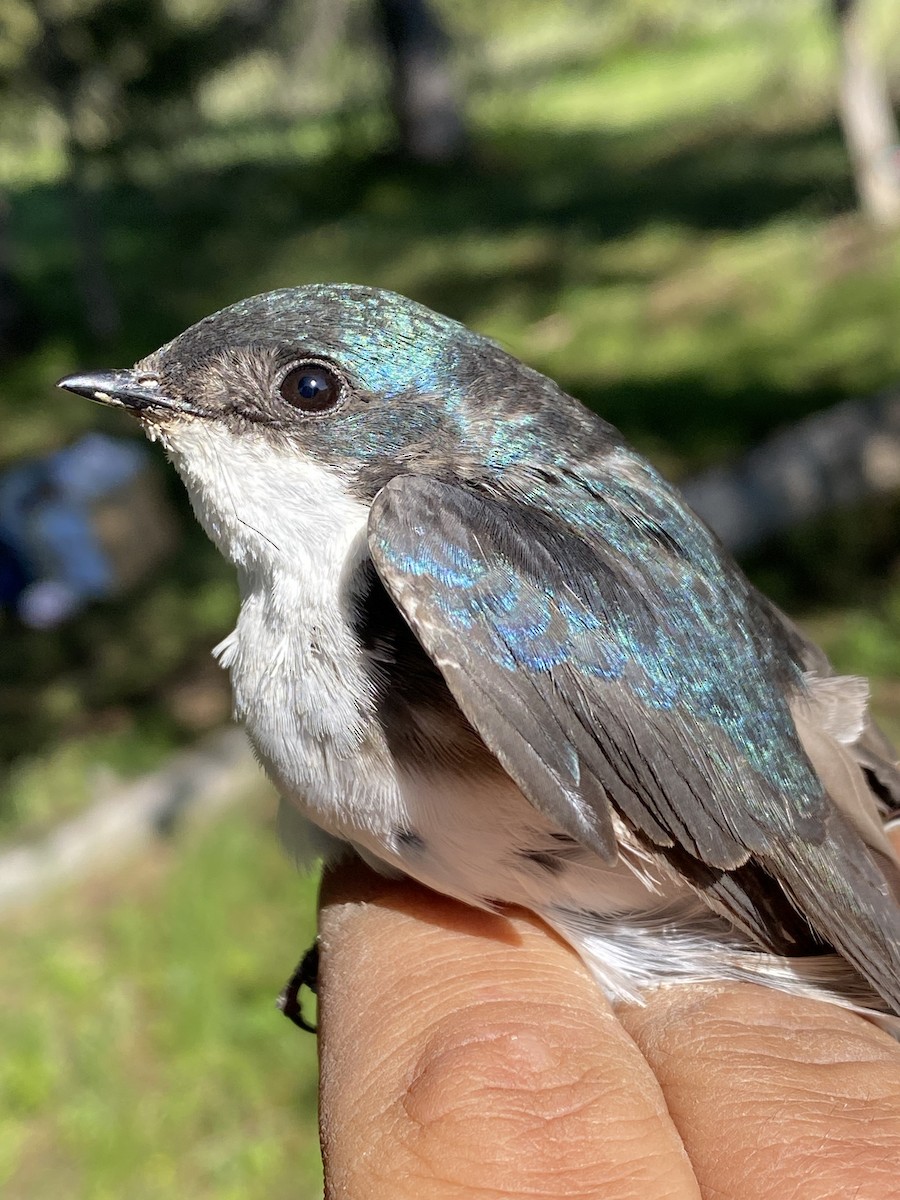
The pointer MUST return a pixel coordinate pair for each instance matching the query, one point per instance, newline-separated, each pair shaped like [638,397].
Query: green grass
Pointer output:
[143,1055]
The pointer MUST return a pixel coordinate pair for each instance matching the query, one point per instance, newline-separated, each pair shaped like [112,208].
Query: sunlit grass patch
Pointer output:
[142,1051]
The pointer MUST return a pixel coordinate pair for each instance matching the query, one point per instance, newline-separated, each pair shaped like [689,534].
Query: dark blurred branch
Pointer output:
[20,327]
[423,94]
[123,74]
[830,460]
[97,294]
[61,79]
[867,119]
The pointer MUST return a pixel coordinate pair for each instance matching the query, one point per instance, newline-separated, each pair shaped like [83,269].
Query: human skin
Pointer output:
[465,1054]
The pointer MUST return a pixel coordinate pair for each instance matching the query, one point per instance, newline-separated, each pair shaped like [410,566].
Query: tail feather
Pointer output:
[632,954]
[850,900]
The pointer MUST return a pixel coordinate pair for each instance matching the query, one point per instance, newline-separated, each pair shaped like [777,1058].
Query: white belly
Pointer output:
[306,701]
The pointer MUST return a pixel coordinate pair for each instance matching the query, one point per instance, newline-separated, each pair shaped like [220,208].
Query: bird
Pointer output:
[484,644]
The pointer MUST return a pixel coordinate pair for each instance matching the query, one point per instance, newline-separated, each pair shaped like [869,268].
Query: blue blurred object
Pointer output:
[56,549]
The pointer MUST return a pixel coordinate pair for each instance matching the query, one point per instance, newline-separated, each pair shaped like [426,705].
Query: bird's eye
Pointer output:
[312,387]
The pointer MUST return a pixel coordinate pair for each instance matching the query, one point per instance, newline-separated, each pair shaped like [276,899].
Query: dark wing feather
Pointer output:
[609,654]
[865,742]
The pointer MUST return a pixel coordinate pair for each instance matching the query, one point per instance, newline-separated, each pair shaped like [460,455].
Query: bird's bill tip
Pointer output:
[121,389]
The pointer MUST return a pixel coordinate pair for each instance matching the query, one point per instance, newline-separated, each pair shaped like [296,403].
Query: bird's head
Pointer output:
[290,406]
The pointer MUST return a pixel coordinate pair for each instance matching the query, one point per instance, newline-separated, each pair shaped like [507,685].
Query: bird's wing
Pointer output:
[840,705]
[615,661]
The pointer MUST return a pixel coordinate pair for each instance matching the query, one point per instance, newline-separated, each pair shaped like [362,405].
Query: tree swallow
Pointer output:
[485,644]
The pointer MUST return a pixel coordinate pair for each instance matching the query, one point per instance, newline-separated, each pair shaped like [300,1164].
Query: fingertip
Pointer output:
[774,1095]
[466,1050]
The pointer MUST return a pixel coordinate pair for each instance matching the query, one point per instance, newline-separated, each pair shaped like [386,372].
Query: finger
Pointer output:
[775,1096]
[463,1053]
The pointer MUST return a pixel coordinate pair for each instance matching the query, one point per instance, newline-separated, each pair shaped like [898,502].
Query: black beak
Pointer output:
[134,390]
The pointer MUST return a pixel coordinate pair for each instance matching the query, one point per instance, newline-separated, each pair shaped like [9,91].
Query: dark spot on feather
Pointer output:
[654,532]
[544,858]
[546,475]
[888,800]
[564,839]
[408,839]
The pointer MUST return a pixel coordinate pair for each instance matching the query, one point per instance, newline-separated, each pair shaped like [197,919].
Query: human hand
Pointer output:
[465,1054]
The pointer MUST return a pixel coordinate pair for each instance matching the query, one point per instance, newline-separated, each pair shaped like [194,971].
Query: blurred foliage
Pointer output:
[143,1055]
[657,210]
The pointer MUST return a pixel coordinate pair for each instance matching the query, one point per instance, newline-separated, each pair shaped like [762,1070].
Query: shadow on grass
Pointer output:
[202,235]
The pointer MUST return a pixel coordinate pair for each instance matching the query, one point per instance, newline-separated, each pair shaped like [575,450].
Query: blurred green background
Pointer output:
[652,203]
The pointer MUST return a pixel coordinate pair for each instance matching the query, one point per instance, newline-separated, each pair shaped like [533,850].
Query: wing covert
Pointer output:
[614,660]
[553,648]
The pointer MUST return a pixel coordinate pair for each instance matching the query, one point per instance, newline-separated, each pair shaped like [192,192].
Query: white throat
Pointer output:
[266,508]
[294,532]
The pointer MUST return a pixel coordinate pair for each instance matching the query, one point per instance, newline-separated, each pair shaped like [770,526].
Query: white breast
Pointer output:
[301,681]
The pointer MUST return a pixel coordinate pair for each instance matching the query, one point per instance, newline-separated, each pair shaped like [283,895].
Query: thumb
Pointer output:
[468,1053]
